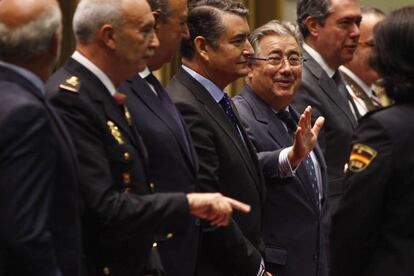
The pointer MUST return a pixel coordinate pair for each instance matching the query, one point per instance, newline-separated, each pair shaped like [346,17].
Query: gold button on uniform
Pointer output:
[152,186]
[170,235]
[106,271]
[127,178]
[154,244]
[127,156]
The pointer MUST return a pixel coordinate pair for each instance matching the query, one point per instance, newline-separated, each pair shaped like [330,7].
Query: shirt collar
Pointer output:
[212,89]
[96,71]
[35,80]
[319,59]
[145,73]
[357,80]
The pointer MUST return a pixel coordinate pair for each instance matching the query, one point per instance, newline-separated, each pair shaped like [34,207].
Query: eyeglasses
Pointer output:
[276,60]
[366,43]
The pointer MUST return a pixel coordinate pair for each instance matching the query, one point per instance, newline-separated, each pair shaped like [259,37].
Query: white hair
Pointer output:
[90,15]
[31,38]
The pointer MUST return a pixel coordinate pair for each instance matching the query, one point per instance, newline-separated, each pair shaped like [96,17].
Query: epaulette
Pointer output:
[71,84]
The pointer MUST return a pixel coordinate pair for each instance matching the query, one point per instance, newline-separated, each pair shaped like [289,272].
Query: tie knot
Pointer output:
[285,117]
[152,79]
[337,78]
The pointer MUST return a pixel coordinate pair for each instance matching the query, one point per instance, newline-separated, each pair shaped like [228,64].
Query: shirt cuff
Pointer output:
[262,269]
[285,169]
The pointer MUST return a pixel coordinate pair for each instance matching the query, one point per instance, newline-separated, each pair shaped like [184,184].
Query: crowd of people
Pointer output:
[306,171]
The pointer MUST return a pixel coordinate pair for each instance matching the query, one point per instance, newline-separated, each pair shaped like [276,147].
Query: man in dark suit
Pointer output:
[330,30]
[214,56]
[373,229]
[172,162]
[39,202]
[293,164]
[121,212]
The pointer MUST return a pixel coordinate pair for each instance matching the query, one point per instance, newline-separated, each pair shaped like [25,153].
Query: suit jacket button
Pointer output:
[197,222]
[315,257]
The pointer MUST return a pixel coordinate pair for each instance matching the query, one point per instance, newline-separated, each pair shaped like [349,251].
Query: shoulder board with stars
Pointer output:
[361,157]
[71,84]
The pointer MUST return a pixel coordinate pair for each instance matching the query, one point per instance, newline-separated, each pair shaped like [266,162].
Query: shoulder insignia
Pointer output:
[115,132]
[361,157]
[72,84]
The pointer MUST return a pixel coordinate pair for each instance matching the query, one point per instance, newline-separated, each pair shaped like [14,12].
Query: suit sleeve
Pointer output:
[27,161]
[268,159]
[126,213]
[358,217]
[229,245]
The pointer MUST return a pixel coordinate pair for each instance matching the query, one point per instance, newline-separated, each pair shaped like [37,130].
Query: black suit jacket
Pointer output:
[39,198]
[119,221]
[293,225]
[173,168]
[227,165]
[373,229]
[320,92]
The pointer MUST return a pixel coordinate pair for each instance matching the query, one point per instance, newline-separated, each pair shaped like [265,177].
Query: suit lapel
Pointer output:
[217,114]
[141,89]
[329,87]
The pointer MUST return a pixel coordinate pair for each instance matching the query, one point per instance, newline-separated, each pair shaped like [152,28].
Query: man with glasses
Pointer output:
[358,75]
[293,164]
[331,31]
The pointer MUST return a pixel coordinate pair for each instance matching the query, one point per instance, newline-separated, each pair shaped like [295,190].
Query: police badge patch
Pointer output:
[361,157]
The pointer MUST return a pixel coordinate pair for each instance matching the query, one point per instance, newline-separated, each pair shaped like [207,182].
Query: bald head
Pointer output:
[27,27]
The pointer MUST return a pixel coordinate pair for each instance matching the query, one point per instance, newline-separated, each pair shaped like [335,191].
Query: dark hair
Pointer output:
[319,9]
[393,56]
[162,7]
[204,19]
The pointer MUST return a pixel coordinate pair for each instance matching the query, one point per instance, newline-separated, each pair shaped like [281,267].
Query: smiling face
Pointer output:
[337,39]
[276,84]
[228,61]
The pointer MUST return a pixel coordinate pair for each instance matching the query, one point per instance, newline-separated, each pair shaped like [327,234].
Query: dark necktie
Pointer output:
[170,107]
[225,104]
[291,126]
[337,78]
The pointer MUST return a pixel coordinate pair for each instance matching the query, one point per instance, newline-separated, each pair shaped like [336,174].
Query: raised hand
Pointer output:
[306,137]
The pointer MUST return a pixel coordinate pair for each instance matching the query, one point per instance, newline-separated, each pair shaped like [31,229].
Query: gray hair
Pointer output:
[275,27]
[31,38]
[162,7]
[319,9]
[90,15]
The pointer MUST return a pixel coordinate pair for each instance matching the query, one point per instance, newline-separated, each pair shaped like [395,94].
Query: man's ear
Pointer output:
[107,35]
[157,16]
[54,46]
[313,26]
[201,47]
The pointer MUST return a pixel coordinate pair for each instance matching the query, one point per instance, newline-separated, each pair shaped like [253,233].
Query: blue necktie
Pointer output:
[225,103]
[285,117]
